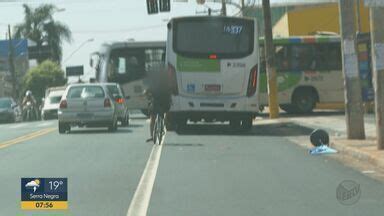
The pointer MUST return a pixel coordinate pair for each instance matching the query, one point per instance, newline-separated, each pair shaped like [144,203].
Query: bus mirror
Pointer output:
[91,62]
[169,25]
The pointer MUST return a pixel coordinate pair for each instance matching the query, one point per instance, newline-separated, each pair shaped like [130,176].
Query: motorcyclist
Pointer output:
[31,99]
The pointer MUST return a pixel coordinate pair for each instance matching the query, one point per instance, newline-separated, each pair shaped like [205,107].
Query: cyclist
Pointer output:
[158,94]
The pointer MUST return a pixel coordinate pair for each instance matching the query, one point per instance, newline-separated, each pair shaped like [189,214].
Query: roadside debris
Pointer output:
[320,139]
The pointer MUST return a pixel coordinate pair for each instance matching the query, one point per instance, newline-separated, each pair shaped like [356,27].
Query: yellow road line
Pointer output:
[26,137]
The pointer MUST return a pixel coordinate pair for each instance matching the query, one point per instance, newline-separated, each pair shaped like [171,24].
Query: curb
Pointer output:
[344,146]
[341,146]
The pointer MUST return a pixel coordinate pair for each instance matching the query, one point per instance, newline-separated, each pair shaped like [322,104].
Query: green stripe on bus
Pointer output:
[281,41]
[323,39]
[285,81]
[197,65]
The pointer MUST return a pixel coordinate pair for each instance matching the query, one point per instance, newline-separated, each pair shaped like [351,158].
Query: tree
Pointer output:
[40,27]
[38,79]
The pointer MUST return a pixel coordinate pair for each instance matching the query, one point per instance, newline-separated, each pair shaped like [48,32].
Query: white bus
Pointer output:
[127,63]
[214,65]
[309,72]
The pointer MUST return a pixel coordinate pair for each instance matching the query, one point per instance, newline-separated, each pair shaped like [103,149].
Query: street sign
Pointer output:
[44,52]
[374,3]
[74,71]
[152,7]
[165,5]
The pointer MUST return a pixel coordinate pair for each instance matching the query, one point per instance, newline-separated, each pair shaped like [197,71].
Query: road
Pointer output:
[204,170]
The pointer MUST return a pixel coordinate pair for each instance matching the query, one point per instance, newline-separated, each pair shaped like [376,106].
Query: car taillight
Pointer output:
[63,104]
[107,102]
[252,82]
[173,79]
[120,100]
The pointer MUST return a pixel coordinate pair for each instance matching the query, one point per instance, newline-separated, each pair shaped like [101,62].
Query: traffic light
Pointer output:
[152,7]
[165,5]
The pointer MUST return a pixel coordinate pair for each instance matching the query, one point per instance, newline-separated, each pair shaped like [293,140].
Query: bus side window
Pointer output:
[282,60]
[334,57]
[302,57]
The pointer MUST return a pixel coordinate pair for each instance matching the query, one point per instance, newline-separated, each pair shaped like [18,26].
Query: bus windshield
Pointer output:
[133,63]
[223,37]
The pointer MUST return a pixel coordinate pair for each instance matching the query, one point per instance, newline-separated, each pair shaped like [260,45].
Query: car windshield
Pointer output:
[85,92]
[5,103]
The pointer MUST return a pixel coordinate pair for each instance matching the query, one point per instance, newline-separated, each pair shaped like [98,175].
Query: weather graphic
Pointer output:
[34,184]
[38,193]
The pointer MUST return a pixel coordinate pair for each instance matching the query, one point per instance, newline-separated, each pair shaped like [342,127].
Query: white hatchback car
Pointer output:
[51,103]
[88,105]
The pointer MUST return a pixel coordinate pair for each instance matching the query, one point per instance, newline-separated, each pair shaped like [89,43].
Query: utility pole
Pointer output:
[354,113]
[358,16]
[270,61]
[377,44]
[242,8]
[11,64]
[223,8]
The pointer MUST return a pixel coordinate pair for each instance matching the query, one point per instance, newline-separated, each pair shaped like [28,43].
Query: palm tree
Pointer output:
[40,27]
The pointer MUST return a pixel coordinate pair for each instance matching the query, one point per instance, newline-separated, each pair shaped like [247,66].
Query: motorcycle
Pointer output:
[29,112]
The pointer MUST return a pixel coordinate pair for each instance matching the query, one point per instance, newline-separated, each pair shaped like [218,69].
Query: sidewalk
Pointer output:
[361,150]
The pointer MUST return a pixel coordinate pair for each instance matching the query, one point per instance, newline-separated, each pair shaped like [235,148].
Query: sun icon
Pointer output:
[37,181]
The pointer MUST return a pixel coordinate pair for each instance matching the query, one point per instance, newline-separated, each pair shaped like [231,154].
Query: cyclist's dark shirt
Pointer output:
[159,92]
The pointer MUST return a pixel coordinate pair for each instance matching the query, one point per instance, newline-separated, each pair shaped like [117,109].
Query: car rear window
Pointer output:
[54,99]
[113,90]
[5,103]
[86,92]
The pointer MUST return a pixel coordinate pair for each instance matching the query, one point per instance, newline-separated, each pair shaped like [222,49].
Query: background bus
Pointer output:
[214,63]
[309,72]
[127,63]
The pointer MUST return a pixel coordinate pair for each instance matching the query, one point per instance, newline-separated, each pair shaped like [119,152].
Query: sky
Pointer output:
[98,21]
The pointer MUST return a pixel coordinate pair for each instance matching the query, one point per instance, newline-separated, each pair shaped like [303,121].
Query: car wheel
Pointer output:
[12,119]
[63,127]
[145,112]
[113,126]
[181,124]
[246,124]
[125,121]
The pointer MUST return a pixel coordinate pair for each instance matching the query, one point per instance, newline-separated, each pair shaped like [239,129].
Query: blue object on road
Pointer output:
[323,149]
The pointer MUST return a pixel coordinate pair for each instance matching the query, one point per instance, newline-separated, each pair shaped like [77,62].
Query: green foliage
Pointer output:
[47,74]
[40,27]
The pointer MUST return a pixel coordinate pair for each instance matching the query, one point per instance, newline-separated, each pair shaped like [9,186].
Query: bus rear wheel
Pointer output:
[304,100]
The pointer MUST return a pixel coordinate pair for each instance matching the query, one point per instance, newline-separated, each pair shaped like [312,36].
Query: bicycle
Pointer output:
[159,129]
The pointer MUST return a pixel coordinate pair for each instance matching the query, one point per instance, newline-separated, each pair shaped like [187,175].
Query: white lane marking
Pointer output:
[44,124]
[140,201]
[18,125]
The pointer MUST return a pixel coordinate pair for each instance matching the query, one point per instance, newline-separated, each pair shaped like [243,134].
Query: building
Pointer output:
[309,20]
[21,63]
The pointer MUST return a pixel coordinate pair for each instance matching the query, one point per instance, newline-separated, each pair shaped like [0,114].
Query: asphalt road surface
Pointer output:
[203,170]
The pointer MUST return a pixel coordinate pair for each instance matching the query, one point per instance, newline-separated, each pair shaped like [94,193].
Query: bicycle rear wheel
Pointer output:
[155,130]
[161,129]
